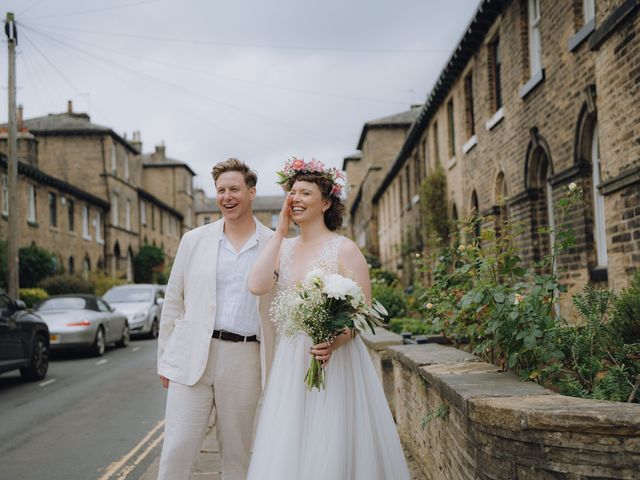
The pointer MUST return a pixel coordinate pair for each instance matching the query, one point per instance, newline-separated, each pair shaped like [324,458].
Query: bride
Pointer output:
[345,431]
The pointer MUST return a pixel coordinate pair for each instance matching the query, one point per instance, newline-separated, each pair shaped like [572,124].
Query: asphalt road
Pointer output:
[89,419]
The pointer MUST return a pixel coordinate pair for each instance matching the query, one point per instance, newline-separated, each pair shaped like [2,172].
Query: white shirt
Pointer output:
[236,309]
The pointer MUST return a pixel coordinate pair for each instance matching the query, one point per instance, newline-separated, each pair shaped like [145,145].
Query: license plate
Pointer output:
[54,338]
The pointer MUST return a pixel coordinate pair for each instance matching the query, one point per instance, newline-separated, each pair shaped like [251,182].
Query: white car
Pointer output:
[141,303]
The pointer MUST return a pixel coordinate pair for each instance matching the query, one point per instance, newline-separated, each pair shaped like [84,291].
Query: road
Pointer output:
[90,419]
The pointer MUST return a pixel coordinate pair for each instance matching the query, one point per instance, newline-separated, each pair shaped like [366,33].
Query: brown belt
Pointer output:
[233,337]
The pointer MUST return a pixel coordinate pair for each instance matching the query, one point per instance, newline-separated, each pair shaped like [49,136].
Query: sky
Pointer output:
[259,80]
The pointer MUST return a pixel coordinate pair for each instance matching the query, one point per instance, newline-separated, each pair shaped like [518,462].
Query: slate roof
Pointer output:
[397,120]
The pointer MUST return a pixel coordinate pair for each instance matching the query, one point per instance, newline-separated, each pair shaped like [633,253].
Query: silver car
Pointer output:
[141,303]
[83,321]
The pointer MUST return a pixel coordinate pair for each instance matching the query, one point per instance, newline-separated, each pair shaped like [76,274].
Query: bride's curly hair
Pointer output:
[333,215]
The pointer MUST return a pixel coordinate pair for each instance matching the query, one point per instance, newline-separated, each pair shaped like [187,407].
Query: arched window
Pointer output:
[86,267]
[475,213]
[599,232]
[71,266]
[501,195]
[539,173]
[115,260]
[129,265]
[455,226]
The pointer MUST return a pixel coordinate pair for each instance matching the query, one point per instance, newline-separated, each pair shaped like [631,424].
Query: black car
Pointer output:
[24,340]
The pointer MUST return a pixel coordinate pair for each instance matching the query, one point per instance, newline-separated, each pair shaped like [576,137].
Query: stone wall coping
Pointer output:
[382,339]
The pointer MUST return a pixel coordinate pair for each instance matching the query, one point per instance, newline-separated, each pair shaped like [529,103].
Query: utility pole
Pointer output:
[13,234]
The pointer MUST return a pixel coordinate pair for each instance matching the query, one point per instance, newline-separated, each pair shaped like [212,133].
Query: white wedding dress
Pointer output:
[344,432]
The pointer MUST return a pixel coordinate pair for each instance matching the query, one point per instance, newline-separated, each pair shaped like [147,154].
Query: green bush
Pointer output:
[103,282]
[393,299]
[61,284]
[31,296]
[626,320]
[149,260]
[384,276]
[35,264]
[409,324]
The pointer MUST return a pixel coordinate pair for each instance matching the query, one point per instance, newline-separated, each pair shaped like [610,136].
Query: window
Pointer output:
[468,106]
[71,265]
[126,165]
[417,163]
[207,220]
[599,231]
[53,209]
[495,74]
[143,213]
[427,156]
[5,195]
[114,160]
[98,227]
[187,186]
[161,221]
[114,210]
[589,9]
[475,212]
[535,50]
[189,214]
[127,215]
[153,217]
[85,222]
[436,145]
[452,132]
[31,203]
[71,214]
[400,193]
[407,178]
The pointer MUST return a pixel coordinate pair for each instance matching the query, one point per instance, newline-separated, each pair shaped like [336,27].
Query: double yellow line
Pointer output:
[120,469]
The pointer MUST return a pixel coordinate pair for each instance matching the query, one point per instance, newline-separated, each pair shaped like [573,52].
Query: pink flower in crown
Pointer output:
[316,166]
[297,164]
[335,191]
[339,174]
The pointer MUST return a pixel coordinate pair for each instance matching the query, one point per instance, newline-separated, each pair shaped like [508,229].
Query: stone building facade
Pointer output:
[378,145]
[108,175]
[538,95]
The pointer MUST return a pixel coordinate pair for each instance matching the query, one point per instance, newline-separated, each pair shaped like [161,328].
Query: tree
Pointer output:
[148,260]
[35,263]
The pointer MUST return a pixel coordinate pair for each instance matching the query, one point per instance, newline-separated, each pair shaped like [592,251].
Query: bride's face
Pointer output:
[307,202]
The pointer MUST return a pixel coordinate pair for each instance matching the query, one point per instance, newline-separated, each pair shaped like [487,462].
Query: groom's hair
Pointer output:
[235,165]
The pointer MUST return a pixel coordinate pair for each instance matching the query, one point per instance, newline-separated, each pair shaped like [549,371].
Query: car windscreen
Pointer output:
[63,303]
[129,294]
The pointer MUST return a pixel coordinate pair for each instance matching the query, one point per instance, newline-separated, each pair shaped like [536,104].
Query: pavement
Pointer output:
[207,465]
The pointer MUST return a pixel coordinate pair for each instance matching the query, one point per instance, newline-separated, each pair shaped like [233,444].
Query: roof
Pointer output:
[41,177]
[355,157]
[71,124]
[262,203]
[468,45]
[151,160]
[397,120]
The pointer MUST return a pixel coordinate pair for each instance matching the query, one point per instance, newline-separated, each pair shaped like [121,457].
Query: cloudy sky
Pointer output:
[260,80]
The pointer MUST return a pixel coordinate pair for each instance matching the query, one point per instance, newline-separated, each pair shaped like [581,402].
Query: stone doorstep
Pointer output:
[461,382]
[557,413]
[382,339]
[416,356]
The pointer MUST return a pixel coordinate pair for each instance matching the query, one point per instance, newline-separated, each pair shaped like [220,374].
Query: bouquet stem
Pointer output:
[315,376]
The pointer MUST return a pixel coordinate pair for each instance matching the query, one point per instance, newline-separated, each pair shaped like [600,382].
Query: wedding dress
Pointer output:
[344,432]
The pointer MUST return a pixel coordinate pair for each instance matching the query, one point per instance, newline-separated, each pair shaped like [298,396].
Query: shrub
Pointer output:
[61,284]
[35,264]
[103,282]
[31,296]
[391,297]
[384,276]
[626,320]
[148,260]
[409,324]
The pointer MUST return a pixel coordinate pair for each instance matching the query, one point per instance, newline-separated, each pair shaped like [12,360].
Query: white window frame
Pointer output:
[31,203]
[127,214]
[5,194]
[599,226]
[98,227]
[115,213]
[114,160]
[85,222]
[589,10]
[143,212]
[535,47]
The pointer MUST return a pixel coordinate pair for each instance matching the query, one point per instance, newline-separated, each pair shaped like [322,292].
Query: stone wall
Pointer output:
[461,418]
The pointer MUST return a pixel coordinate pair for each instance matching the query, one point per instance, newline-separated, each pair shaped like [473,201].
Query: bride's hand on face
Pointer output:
[285,216]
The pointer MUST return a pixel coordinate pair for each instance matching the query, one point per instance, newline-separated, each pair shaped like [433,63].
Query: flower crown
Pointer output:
[296,166]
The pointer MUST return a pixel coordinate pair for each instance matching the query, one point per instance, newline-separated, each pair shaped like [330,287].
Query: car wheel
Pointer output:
[153,333]
[37,370]
[126,336]
[99,344]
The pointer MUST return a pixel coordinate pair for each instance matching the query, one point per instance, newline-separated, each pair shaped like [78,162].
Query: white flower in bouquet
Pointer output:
[339,287]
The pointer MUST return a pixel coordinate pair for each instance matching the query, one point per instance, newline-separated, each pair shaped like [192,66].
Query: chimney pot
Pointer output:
[69,106]
[20,119]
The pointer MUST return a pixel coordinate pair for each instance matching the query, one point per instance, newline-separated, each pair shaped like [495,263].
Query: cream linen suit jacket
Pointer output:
[189,308]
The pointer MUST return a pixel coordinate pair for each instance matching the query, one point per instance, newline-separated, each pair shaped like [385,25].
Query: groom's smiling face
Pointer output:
[233,195]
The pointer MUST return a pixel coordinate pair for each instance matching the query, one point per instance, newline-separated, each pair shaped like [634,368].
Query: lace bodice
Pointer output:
[326,260]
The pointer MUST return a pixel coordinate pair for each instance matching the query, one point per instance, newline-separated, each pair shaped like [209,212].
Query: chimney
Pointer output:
[20,119]
[136,142]
[160,150]
[69,106]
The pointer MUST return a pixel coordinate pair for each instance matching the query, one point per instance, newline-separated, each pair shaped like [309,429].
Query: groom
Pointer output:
[216,341]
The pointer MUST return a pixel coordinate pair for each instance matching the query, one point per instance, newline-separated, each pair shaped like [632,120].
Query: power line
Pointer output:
[38,2]
[251,45]
[84,12]
[231,78]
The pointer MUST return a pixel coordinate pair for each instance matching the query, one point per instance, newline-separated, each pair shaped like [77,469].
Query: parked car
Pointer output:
[24,340]
[141,303]
[83,321]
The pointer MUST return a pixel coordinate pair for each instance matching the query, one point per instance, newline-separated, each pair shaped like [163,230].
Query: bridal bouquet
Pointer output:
[323,306]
